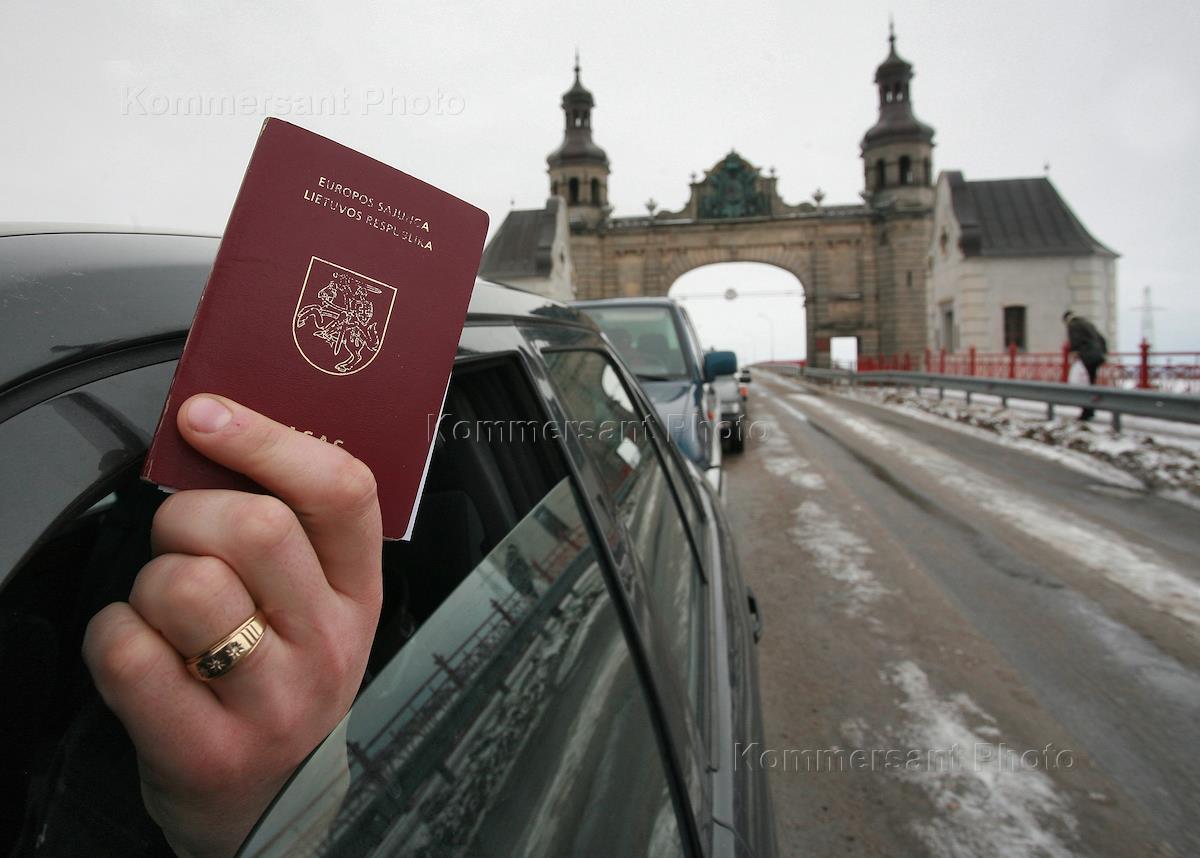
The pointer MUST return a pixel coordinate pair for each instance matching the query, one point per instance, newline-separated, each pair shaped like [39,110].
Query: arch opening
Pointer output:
[764,320]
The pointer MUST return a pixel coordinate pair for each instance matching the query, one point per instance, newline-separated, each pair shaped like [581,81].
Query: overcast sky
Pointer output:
[465,95]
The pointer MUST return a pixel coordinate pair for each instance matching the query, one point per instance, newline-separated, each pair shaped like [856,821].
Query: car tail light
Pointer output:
[743,391]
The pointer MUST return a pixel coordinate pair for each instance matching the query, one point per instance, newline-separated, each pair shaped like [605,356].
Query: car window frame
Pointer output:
[585,479]
[660,441]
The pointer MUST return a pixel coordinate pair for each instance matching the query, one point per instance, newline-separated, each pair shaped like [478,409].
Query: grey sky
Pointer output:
[1102,91]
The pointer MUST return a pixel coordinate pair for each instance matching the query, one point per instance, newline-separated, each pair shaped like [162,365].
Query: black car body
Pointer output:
[735,405]
[565,661]
[676,374]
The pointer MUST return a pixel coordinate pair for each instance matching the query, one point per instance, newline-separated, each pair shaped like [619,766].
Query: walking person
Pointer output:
[1089,346]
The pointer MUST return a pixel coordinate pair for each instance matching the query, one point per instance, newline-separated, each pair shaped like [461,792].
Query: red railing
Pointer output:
[1174,372]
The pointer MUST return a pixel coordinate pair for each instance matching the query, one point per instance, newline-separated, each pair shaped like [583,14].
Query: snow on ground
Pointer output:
[988,799]
[998,801]
[1156,462]
[1134,568]
[837,551]
[840,554]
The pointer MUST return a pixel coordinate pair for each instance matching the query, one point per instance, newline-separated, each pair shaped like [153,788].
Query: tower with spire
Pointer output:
[897,151]
[578,168]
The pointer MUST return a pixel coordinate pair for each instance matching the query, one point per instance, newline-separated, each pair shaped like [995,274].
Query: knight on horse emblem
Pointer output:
[347,317]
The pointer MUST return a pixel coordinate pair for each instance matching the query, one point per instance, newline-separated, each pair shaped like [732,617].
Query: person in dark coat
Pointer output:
[1089,345]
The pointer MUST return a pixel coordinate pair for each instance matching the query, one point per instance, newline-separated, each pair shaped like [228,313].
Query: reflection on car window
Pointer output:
[646,338]
[617,439]
[511,723]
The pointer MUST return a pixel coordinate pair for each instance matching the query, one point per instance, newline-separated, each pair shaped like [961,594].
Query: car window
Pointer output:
[511,723]
[502,713]
[646,337]
[617,438]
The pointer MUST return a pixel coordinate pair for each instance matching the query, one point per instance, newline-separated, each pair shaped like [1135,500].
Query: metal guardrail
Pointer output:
[1139,403]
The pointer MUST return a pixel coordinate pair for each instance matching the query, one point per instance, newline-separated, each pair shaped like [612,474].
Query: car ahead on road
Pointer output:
[565,660]
[656,338]
[734,395]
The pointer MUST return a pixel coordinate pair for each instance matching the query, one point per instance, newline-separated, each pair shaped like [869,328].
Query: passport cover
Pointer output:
[335,306]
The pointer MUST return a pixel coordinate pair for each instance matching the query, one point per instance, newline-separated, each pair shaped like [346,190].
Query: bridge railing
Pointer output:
[1145,369]
[1141,403]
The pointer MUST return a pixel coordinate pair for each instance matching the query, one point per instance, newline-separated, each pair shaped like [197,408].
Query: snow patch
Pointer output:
[783,461]
[1134,568]
[1144,458]
[993,802]
[839,554]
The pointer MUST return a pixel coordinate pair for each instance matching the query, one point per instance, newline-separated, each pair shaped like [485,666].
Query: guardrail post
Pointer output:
[1066,363]
[971,361]
[941,393]
[1116,421]
[1049,410]
[1012,360]
[1144,368]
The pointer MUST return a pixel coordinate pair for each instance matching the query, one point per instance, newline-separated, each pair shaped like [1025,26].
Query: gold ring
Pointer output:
[223,656]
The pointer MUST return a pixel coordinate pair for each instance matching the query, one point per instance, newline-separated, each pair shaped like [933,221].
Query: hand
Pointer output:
[212,755]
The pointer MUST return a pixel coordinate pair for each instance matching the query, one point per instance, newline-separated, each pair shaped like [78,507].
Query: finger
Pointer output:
[332,493]
[142,679]
[260,538]
[194,603]
[190,601]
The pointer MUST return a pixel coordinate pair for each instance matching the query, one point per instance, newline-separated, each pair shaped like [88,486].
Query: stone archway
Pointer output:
[863,268]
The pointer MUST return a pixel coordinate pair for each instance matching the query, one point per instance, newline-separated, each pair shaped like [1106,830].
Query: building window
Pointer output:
[596,192]
[1014,327]
[880,175]
[928,172]
[574,191]
[906,172]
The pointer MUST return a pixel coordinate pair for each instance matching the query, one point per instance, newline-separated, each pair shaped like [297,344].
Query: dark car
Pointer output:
[656,338]
[733,393]
[565,660]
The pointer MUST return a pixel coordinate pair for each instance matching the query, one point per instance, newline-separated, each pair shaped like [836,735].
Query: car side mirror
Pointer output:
[719,363]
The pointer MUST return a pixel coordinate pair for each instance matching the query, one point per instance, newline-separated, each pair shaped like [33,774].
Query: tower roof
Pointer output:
[578,94]
[896,122]
[577,146]
[893,64]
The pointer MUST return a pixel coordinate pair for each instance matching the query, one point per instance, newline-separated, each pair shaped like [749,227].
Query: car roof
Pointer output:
[71,292]
[661,301]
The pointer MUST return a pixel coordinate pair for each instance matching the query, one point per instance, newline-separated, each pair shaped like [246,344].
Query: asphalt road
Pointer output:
[968,650]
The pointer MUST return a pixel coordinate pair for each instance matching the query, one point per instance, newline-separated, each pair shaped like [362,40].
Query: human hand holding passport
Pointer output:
[334,307]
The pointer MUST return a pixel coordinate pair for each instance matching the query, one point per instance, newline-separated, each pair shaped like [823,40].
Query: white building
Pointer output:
[532,251]
[1008,258]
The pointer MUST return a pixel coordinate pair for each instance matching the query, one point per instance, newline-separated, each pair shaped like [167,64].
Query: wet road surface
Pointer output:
[969,650]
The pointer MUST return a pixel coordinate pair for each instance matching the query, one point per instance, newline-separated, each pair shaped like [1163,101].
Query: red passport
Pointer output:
[335,306]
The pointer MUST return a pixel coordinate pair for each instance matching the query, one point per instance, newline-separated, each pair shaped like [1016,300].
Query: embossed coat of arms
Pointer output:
[341,318]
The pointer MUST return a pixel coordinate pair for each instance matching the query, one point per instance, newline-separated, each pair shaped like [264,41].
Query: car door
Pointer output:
[505,710]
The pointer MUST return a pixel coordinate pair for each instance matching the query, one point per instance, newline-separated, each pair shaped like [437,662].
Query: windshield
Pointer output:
[646,337]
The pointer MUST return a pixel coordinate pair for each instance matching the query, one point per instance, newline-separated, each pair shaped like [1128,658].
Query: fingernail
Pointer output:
[207,415]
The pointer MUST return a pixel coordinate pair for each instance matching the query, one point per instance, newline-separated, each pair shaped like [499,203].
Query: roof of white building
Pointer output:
[1018,217]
